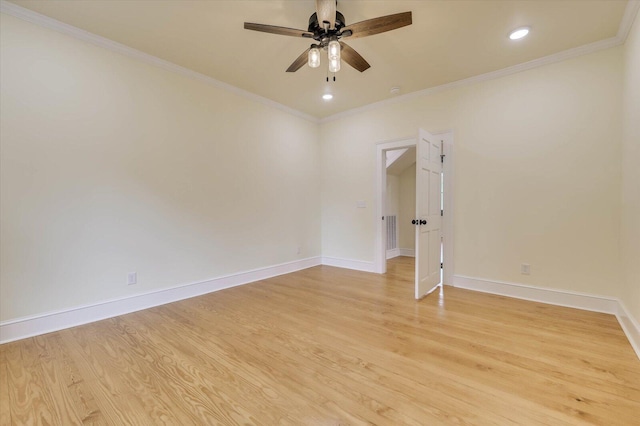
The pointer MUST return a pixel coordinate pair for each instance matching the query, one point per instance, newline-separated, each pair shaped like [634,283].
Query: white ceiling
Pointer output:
[448,41]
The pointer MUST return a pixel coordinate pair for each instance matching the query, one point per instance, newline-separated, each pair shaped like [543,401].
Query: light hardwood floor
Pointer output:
[328,346]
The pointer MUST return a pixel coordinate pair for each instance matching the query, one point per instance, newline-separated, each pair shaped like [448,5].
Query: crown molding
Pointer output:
[630,14]
[546,60]
[60,27]
[628,18]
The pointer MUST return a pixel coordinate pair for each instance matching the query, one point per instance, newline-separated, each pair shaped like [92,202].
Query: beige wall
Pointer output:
[110,165]
[401,202]
[537,173]
[630,224]
[393,195]
[406,231]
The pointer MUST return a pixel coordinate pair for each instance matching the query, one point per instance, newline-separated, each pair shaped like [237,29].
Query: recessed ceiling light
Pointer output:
[327,96]
[519,33]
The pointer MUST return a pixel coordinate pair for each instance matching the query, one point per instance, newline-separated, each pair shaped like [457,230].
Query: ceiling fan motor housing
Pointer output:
[324,36]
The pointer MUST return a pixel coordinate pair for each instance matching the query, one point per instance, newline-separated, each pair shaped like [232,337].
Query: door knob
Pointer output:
[414,222]
[423,222]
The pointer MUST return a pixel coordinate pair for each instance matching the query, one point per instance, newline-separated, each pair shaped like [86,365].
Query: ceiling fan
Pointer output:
[327,26]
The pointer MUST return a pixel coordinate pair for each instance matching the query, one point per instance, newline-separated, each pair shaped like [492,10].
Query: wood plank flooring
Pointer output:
[328,346]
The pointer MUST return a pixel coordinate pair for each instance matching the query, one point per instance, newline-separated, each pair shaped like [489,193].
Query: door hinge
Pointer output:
[441,212]
[442,158]
[441,265]
[382,217]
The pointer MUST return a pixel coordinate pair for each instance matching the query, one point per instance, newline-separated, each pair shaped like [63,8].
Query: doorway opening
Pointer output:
[400,202]
[396,162]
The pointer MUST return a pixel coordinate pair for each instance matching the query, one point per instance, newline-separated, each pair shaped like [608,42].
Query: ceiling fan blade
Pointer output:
[277,30]
[299,62]
[326,10]
[353,58]
[378,25]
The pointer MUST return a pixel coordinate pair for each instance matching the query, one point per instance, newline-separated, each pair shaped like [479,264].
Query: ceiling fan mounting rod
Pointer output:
[326,25]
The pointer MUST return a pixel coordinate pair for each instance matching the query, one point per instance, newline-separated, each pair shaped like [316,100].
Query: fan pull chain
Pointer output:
[334,76]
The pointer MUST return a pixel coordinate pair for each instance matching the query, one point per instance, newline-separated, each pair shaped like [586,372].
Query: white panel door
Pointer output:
[428,222]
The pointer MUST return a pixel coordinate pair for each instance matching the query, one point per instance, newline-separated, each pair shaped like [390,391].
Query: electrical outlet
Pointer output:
[132,278]
[525,269]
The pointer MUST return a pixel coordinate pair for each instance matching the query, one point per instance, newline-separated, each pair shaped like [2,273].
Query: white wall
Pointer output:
[537,173]
[110,165]
[630,224]
[406,231]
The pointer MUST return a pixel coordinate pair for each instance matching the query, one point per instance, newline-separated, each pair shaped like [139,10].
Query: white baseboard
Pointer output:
[32,326]
[630,326]
[400,252]
[21,328]
[393,253]
[589,302]
[407,252]
[45,323]
[551,296]
[358,265]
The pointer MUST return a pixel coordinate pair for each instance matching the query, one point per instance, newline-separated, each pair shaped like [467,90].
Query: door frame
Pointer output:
[380,253]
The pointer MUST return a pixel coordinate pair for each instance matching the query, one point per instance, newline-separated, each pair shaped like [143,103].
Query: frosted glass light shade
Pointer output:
[314,57]
[334,65]
[334,50]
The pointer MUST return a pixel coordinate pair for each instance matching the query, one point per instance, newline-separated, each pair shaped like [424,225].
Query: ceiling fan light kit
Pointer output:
[314,57]
[327,26]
